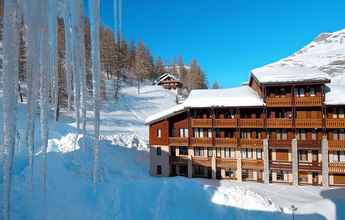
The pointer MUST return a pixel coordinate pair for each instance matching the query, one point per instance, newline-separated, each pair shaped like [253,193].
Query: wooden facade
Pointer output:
[231,141]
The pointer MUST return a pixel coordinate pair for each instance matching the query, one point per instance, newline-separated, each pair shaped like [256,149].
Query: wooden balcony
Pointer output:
[251,143]
[252,164]
[178,141]
[226,142]
[336,144]
[226,163]
[280,165]
[201,161]
[278,101]
[308,101]
[279,123]
[274,143]
[309,166]
[336,167]
[335,123]
[202,123]
[308,123]
[309,144]
[225,123]
[179,160]
[201,142]
[252,123]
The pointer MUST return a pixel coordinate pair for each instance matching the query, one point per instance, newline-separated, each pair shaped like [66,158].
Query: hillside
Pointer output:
[125,189]
[325,53]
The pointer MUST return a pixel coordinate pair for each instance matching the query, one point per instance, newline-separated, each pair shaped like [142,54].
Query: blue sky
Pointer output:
[227,37]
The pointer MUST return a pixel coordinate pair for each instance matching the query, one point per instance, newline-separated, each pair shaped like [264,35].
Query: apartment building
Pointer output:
[287,125]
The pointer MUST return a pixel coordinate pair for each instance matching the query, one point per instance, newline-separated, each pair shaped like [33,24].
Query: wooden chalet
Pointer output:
[281,128]
[169,81]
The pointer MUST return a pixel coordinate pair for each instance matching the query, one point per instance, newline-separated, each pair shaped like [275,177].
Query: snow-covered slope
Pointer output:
[325,54]
[126,191]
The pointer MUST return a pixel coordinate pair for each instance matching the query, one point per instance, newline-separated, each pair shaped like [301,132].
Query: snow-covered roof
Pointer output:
[242,96]
[282,72]
[335,95]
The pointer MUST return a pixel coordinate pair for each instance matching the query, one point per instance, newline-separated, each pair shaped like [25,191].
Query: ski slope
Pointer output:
[126,191]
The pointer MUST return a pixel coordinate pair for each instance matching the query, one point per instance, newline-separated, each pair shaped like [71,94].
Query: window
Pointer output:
[199,151]
[339,156]
[198,170]
[312,91]
[259,154]
[230,173]
[173,132]
[183,132]
[257,134]
[301,135]
[218,133]
[228,152]
[198,132]
[314,135]
[159,170]
[173,151]
[280,175]
[159,132]
[303,155]
[245,134]
[301,92]
[159,151]
[281,134]
[209,133]
[247,153]
[209,151]
[218,152]
[183,151]
[341,134]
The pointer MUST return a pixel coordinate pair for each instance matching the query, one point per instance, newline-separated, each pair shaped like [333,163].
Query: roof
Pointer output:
[242,96]
[281,72]
[335,95]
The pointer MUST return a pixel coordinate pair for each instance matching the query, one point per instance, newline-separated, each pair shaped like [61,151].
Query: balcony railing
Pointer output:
[280,165]
[308,101]
[336,167]
[278,101]
[225,123]
[251,143]
[201,161]
[308,123]
[178,141]
[309,166]
[226,142]
[226,163]
[252,164]
[335,123]
[201,123]
[201,141]
[279,143]
[309,144]
[179,159]
[252,123]
[336,144]
[279,123]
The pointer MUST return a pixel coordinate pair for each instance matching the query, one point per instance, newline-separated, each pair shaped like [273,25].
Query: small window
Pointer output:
[199,151]
[259,154]
[209,151]
[218,152]
[159,170]
[314,135]
[301,92]
[159,132]
[183,151]
[312,92]
[159,151]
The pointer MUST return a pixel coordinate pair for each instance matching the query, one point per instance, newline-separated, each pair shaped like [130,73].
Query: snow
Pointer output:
[335,95]
[126,190]
[282,72]
[324,55]
[242,96]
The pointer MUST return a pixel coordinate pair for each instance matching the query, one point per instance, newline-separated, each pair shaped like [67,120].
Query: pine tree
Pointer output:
[159,67]
[215,85]
[183,72]
[143,67]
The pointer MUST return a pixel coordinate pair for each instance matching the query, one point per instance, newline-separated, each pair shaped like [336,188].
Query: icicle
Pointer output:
[11,47]
[96,72]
